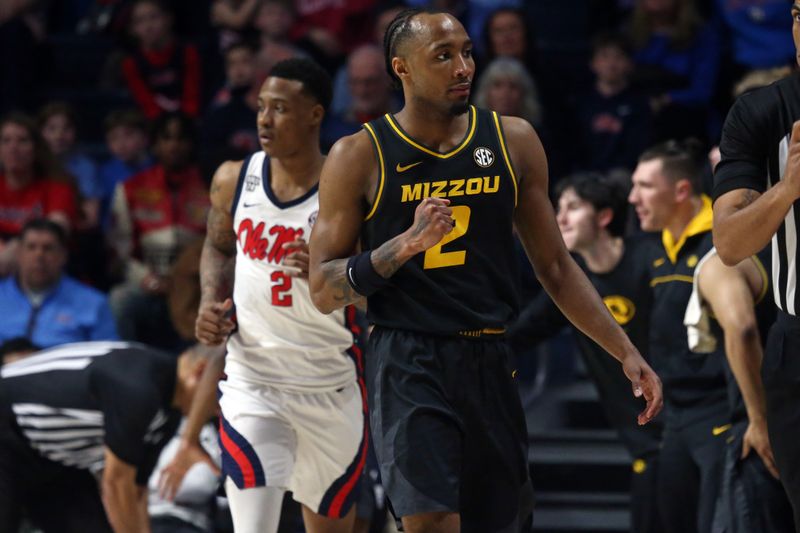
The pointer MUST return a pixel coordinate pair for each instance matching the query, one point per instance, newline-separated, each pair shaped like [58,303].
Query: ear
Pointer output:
[683,190]
[399,67]
[317,114]
[604,217]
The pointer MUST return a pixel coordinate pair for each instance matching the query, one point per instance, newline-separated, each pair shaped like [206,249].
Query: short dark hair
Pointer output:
[17,344]
[398,31]
[130,118]
[187,126]
[611,40]
[680,160]
[52,109]
[315,79]
[602,193]
[44,224]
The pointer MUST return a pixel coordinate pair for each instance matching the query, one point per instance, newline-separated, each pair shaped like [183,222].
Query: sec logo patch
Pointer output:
[483,157]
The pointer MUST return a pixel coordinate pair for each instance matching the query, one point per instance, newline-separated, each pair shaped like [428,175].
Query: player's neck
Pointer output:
[432,127]
[604,254]
[684,214]
[292,176]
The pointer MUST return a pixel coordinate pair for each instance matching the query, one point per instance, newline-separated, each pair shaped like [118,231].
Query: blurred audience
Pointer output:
[613,121]
[42,303]
[162,73]
[274,20]
[370,90]
[677,58]
[507,88]
[127,141]
[228,131]
[156,214]
[32,185]
[58,126]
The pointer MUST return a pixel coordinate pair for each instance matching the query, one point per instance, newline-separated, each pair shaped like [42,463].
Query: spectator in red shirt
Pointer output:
[156,212]
[162,74]
[32,185]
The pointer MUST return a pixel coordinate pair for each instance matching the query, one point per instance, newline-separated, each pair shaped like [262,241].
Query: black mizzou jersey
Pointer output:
[467,283]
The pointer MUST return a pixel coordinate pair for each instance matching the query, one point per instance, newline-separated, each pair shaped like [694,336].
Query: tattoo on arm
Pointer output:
[748,197]
[218,259]
[385,258]
[335,273]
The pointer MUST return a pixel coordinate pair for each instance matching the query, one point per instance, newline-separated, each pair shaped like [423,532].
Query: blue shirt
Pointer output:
[85,172]
[698,64]
[760,31]
[72,312]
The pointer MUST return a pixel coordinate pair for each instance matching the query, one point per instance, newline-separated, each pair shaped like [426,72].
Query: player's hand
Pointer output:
[433,219]
[756,438]
[645,382]
[792,172]
[212,326]
[296,258]
[171,476]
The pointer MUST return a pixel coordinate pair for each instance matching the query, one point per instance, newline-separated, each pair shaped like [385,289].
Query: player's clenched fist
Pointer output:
[213,326]
[433,219]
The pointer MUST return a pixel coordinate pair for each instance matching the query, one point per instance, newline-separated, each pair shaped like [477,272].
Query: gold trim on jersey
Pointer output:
[764,278]
[701,223]
[473,124]
[382,178]
[505,155]
[671,277]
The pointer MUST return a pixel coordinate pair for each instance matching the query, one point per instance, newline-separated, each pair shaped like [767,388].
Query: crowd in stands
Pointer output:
[114,115]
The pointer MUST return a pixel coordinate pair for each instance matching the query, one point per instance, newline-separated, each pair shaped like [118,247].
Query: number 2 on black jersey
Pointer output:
[435,257]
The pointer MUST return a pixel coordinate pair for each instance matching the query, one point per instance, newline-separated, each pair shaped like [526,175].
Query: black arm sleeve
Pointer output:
[743,149]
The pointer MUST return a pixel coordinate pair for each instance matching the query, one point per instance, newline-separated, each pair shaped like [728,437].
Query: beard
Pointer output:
[459,109]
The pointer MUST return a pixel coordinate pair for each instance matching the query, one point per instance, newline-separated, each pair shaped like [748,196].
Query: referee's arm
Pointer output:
[125,501]
[745,219]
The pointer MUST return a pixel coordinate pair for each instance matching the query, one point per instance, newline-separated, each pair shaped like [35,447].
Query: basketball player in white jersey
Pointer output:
[292,409]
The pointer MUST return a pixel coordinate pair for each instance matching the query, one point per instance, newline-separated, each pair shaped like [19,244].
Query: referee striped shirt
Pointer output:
[68,403]
[754,148]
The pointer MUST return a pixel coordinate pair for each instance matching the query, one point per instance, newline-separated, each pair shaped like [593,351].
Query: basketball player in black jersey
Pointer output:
[591,216]
[434,193]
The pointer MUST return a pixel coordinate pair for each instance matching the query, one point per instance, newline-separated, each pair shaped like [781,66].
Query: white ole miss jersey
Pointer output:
[281,339]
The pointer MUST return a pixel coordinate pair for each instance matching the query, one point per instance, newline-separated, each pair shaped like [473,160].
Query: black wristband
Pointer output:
[362,276]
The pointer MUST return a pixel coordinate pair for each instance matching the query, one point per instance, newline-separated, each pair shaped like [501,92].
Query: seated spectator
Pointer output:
[82,428]
[32,185]
[233,19]
[274,21]
[677,61]
[507,35]
[507,88]
[162,74]
[127,141]
[57,124]
[229,128]
[192,508]
[156,214]
[342,98]
[371,92]
[45,305]
[613,122]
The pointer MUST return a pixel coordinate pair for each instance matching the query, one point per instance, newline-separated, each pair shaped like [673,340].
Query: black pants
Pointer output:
[55,498]
[645,517]
[750,498]
[781,374]
[689,473]
[448,428]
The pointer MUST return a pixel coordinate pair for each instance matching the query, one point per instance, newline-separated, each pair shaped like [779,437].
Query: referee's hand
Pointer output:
[645,382]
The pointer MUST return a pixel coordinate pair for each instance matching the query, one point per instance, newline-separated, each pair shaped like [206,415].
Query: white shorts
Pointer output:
[313,444]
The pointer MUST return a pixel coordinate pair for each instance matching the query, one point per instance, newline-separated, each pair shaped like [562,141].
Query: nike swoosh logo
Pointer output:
[250,205]
[719,430]
[401,168]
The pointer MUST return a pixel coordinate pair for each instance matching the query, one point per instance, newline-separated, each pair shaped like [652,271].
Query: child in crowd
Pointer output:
[57,125]
[127,141]
[162,74]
